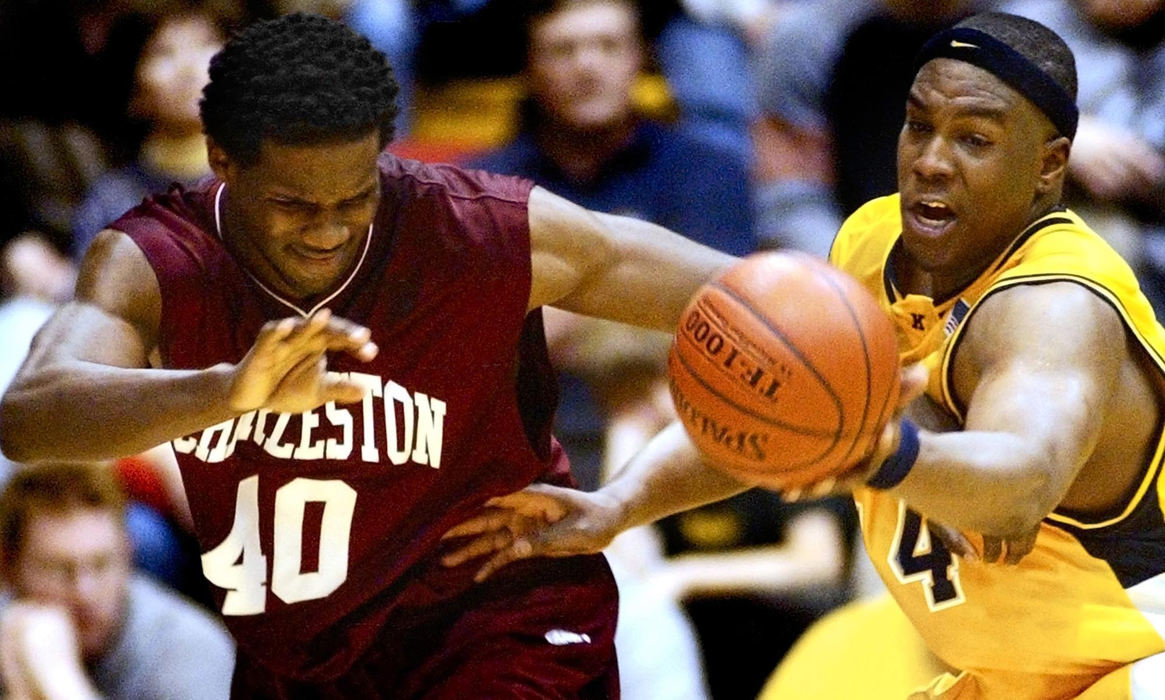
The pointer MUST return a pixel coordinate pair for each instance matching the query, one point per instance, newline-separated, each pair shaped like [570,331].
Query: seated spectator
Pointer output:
[582,138]
[75,622]
[169,74]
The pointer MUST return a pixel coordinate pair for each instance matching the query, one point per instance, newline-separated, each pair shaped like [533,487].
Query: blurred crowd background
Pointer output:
[744,124]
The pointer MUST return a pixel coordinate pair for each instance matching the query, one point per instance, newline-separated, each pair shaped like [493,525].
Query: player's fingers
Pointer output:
[337,388]
[342,334]
[537,500]
[954,539]
[322,328]
[487,543]
[274,332]
[992,548]
[520,549]
[487,521]
[1020,547]
[823,488]
[912,383]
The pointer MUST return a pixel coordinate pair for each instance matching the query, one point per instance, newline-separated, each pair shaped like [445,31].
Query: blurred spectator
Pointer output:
[62,116]
[437,40]
[705,51]
[832,80]
[75,622]
[581,136]
[75,57]
[393,27]
[1117,169]
[169,73]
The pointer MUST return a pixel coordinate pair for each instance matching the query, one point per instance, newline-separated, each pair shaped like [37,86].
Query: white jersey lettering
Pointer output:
[414,429]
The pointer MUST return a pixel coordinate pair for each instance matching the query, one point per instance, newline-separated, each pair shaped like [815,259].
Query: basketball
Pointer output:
[784,370]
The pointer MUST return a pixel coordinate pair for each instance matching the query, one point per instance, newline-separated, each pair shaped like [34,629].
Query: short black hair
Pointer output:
[299,78]
[1034,41]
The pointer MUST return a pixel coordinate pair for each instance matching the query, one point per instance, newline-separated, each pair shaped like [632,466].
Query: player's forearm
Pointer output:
[989,482]
[667,477]
[82,411]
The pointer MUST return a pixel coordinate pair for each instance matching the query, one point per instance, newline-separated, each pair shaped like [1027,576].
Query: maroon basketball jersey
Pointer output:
[315,527]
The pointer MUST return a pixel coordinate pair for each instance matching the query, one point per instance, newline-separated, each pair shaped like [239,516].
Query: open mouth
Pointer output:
[932,216]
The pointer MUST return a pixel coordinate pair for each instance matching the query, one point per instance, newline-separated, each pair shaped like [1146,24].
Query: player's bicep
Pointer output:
[115,314]
[568,246]
[1041,362]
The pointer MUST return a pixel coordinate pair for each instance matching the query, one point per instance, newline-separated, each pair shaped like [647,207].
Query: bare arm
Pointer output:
[1037,369]
[613,267]
[86,390]
[666,477]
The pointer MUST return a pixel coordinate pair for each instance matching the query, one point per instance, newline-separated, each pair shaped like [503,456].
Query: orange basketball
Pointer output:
[784,370]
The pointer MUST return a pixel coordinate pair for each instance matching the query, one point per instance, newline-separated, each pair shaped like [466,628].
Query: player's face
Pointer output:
[79,560]
[583,63]
[298,218]
[970,158]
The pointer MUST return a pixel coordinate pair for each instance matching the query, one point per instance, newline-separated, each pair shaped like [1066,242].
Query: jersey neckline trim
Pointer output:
[890,280]
[272,293]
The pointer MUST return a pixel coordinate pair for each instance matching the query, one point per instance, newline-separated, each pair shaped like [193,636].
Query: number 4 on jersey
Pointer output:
[239,566]
[918,555]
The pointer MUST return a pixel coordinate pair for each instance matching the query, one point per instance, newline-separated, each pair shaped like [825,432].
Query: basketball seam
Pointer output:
[736,296]
[865,356]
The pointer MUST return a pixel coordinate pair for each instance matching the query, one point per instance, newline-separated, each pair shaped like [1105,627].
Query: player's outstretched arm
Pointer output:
[1037,367]
[87,391]
[666,477]
[614,267]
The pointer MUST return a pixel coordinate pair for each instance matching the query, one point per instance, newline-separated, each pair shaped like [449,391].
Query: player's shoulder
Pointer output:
[413,178]
[873,226]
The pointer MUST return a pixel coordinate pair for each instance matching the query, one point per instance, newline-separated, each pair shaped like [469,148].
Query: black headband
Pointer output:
[992,55]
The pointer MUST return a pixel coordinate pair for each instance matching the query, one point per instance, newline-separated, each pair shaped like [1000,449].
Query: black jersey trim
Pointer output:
[889,279]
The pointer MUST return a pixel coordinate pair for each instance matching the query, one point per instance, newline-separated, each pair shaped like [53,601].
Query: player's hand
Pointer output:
[1012,548]
[956,542]
[1115,164]
[538,521]
[1006,550]
[912,384]
[285,370]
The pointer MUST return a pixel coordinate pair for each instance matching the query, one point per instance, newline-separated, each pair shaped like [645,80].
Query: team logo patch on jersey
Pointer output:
[563,637]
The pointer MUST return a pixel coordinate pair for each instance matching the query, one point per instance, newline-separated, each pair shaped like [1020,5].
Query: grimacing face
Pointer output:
[583,63]
[298,218]
[974,158]
[78,559]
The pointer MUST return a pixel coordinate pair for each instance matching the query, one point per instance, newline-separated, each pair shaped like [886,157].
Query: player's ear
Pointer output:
[1053,164]
[220,163]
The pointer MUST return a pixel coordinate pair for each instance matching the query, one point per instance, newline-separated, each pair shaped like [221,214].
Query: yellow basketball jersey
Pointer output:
[1091,596]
